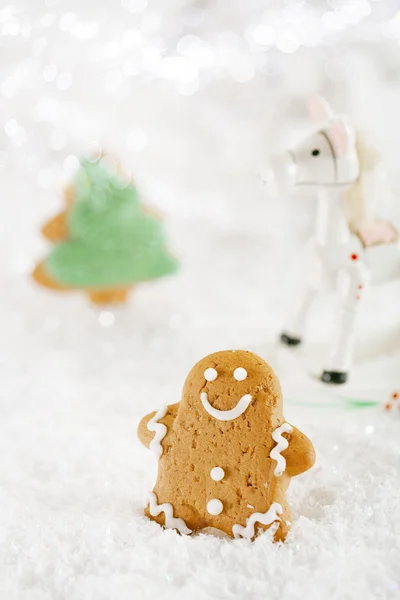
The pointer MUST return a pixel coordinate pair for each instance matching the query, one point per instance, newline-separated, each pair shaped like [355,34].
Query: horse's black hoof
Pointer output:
[288,340]
[336,377]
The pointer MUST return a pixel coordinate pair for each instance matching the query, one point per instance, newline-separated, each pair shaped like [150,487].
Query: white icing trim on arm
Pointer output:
[267,518]
[160,431]
[171,522]
[281,445]
[226,415]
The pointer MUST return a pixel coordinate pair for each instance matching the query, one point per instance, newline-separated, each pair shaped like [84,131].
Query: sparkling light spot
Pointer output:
[85,31]
[6,14]
[9,87]
[151,23]
[131,66]
[47,109]
[20,137]
[179,68]
[288,42]
[132,37]
[10,28]
[11,127]
[187,43]
[263,35]
[66,21]
[70,165]
[22,263]
[106,318]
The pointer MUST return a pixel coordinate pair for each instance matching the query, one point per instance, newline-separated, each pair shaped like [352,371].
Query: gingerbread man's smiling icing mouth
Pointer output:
[226,415]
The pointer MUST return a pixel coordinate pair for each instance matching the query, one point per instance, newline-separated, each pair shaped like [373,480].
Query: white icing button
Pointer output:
[214,507]
[210,374]
[240,374]
[217,473]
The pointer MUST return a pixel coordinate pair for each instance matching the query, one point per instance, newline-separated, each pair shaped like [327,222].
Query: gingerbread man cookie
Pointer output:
[226,454]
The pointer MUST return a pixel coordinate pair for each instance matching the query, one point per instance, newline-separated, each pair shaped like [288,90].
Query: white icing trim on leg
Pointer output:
[281,444]
[160,431]
[171,522]
[226,415]
[267,518]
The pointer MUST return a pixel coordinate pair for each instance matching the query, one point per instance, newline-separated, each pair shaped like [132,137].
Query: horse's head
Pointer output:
[327,158]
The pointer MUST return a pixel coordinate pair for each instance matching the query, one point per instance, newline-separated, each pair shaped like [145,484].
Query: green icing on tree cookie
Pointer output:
[112,241]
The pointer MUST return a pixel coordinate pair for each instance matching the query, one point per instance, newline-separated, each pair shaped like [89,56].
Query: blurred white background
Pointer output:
[190,97]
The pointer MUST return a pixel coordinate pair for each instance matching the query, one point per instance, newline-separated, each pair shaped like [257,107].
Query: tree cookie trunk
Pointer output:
[112,296]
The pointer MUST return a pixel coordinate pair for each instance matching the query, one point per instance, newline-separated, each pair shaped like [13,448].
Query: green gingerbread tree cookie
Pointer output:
[106,240]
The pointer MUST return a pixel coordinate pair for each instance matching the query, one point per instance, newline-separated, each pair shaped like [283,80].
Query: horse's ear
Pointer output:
[319,109]
[338,135]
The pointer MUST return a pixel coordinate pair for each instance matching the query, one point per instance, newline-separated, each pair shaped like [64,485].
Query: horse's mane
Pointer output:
[361,200]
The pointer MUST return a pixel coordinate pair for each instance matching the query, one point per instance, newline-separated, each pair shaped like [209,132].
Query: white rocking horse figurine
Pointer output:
[333,162]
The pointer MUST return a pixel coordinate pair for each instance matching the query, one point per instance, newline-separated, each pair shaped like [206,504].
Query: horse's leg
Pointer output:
[352,281]
[295,327]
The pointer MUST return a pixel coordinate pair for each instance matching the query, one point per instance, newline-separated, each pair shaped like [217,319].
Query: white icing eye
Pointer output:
[240,374]
[210,374]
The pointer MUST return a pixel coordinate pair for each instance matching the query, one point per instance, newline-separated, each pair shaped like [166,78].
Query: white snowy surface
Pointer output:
[75,380]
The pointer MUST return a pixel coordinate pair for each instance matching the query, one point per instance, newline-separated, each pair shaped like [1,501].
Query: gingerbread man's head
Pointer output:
[228,384]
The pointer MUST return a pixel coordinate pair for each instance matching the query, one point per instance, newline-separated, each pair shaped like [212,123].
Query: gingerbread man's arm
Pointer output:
[300,454]
[56,229]
[145,434]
